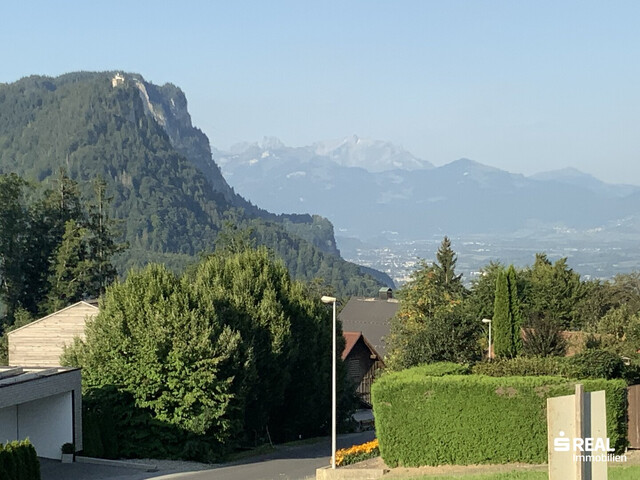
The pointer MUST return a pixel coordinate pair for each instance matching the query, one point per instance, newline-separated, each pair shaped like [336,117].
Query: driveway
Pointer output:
[286,463]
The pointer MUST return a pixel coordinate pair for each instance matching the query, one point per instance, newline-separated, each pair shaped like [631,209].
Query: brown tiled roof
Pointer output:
[370,316]
[351,339]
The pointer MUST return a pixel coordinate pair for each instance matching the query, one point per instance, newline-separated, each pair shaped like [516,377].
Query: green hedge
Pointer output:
[522,367]
[441,369]
[471,419]
[19,461]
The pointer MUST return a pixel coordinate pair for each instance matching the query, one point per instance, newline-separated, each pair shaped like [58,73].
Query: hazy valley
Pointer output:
[390,214]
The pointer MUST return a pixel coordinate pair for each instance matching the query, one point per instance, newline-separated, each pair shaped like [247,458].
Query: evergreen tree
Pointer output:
[501,323]
[102,243]
[515,314]
[507,318]
[444,268]
[14,228]
[71,270]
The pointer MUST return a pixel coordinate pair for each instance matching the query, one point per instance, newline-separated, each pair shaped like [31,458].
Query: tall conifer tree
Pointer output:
[502,329]
[515,314]
[444,268]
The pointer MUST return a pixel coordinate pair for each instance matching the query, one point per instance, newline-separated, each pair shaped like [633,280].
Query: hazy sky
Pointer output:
[524,86]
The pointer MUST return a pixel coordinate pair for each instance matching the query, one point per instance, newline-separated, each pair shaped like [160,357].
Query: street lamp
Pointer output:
[333,300]
[488,320]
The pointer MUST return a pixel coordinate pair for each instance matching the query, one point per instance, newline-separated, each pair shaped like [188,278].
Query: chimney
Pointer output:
[385,293]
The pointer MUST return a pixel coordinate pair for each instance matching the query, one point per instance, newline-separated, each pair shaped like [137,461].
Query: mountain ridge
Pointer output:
[167,189]
[463,196]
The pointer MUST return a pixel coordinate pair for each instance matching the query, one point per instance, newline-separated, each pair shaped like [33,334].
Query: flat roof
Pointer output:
[12,375]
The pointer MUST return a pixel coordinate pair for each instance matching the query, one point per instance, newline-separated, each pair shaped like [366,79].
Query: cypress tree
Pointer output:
[515,315]
[502,328]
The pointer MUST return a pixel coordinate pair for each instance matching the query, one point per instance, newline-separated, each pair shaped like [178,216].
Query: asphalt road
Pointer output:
[286,463]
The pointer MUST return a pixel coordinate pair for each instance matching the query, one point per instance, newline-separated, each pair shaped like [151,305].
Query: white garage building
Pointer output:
[43,404]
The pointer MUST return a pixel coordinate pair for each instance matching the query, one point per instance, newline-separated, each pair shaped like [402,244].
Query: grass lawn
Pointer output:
[615,473]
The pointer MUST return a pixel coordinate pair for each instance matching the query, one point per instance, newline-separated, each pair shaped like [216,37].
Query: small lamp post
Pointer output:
[333,300]
[488,320]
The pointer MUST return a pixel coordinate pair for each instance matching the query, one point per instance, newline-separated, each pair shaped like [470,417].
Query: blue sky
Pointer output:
[524,86]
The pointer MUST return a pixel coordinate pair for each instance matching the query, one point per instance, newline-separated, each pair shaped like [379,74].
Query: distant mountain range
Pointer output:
[353,151]
[368,188]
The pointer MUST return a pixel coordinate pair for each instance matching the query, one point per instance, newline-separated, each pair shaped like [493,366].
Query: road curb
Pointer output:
[328,473]
[147,467]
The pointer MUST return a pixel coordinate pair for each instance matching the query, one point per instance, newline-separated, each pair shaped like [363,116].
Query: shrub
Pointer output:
[469,419]
[357,453]
[590,364]
[543,338]
[68,448]
[596,364]
[19,461]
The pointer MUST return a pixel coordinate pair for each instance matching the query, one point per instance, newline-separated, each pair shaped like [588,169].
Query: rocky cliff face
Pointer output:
[167,104]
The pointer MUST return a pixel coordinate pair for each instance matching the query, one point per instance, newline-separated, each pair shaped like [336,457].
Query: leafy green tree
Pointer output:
[483,290]
[238,351]
[432,323]
[598,299]
[449,335]
[625,290]
[554,291]
[184,373]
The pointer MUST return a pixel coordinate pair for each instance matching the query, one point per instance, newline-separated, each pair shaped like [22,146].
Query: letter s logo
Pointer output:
[561,444]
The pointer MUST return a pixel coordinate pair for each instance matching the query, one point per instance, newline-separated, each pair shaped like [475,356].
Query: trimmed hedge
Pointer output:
[472,419]
[19,461]
[522,367]
[440,369]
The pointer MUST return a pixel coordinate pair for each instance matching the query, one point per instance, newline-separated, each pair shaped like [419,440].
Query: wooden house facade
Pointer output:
[362,364]
[41,343]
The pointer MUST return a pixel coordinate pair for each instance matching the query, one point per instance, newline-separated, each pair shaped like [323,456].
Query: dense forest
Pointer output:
[165,189]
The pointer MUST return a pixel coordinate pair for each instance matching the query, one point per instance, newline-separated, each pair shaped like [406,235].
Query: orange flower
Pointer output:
[345,456]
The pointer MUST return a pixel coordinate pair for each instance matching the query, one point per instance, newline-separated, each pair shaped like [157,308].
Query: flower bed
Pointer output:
[357,453]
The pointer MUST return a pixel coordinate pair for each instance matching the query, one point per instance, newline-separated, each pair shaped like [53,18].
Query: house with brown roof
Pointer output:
[362,363]
[372,317]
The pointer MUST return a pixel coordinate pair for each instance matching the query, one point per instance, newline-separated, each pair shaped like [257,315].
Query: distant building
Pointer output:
[372,317]
[362,363]
[41,343]
[117,80]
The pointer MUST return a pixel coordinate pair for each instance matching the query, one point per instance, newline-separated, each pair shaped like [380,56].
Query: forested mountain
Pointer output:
[168,193]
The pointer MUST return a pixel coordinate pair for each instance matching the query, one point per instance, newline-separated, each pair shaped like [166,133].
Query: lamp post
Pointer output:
[488,320]
[333,300]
